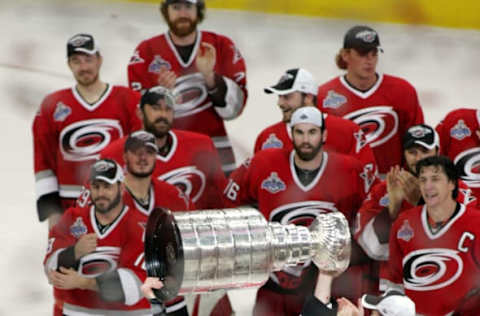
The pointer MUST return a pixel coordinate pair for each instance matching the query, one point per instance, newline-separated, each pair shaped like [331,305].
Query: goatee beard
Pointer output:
[182,31]
[111,206]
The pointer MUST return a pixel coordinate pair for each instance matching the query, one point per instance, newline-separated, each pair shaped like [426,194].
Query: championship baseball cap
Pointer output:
[422,135]
[361,37]
[81,43]
[307,114]
[106,170]
[140,139]
[392,303]
[296,79]
[153,95]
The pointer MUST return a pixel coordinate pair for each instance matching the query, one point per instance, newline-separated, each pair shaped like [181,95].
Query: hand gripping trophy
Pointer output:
[202,251]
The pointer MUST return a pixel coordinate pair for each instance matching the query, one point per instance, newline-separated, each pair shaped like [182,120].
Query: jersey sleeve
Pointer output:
[240,187]
[59,239]
[132,104]
[45,144]
[366,234]
[137,68]
[413,113]
[231,66]
[362,151]
[444,135]
[392,277]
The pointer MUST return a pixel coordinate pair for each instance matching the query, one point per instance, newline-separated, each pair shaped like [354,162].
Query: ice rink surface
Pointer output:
[441,63]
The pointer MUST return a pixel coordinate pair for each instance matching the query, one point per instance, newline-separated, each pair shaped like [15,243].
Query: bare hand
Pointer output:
[410,187]
[166,78]
[53,219]
[395,192]
[86,244]
[67,279]
[205,62]
[149,284]
[346,308]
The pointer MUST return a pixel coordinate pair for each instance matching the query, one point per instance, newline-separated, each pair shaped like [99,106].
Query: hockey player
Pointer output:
[205,69]
[384,106]
[92,249]
[434,252]
[73,125]
[459,135]
[185,159]
[294,186]
[399,192]
[297,88]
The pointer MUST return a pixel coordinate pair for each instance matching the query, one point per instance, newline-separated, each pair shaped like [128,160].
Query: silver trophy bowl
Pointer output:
[202,251]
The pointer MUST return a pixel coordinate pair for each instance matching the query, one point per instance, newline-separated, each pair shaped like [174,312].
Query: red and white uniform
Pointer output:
[192,165]
[344,137]
[384,113]
[196,111]
[281,197]
[459,141]
[117,249]
[436,270]
[69,133]
[373,237]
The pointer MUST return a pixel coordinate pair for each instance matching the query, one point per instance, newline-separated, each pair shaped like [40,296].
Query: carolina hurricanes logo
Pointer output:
[84,140]
[379,123]
[103,260]
[468,164]
[431,269]
[188,179]
[190,92]
[301,213]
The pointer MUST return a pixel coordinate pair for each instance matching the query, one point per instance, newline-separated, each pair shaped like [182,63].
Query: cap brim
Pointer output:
[271,90]
[105,179]
[412,143]
[83,51]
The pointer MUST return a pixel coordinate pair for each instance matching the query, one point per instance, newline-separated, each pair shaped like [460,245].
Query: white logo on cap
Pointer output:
[367,36]
[79,40]
[103,165]
[285,77]
[419,131]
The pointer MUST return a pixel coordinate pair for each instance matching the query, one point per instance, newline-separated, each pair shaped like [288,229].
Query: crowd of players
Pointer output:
[105,156]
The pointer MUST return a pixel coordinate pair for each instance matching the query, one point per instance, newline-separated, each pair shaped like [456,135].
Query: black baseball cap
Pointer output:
[106,170]
[362,37]
[81,43]
[296,79]
[421,135]
[153,95]
[140,139]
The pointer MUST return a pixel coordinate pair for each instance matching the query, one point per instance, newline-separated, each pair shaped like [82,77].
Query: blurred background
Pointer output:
[433,44]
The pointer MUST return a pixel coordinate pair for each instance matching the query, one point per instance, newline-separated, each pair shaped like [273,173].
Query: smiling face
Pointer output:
[288,103]
[105,196]
[435,186]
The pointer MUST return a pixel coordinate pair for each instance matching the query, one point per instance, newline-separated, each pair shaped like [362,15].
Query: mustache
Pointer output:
[161,120]
[179,20]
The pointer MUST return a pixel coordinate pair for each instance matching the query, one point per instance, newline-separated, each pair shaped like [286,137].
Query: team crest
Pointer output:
[384,201]
[273,183]
[334,100]
[190,180]
[62,111]
[301,213]
[272,142]
[102,260]
[468,165]
[157,64]
[78,228]
[405,232]
[136,59]
[460,130]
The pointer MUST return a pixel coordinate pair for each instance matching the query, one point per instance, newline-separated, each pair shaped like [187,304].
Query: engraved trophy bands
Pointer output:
[201,251]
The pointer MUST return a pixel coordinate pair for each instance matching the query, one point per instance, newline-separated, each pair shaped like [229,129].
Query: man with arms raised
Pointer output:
[205,69]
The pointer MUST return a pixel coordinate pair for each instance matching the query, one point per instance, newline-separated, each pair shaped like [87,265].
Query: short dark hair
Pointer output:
[200,10]
[445,164]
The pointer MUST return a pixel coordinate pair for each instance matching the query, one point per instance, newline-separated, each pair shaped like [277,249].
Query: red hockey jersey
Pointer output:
[192,165]
[459,141]
[344,137]
[436,270]
[195,111]
[384,113]
[377,200]
[339,186]
[69,133]
[117,248]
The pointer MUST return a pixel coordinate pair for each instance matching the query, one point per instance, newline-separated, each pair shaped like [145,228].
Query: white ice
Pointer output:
[441,63]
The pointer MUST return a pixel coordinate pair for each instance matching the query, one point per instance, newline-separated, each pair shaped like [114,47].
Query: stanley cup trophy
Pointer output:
[202,251]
